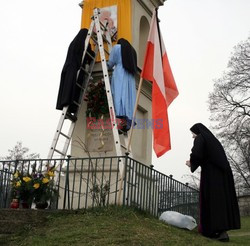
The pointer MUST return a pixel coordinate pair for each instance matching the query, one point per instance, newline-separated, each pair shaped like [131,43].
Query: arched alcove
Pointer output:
[143,36]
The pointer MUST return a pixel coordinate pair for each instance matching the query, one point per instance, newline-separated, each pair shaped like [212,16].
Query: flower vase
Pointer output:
[14,204]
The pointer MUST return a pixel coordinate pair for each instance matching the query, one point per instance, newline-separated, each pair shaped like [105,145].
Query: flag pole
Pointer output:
[130,136]
[135,109]
[139,92]
[158,28]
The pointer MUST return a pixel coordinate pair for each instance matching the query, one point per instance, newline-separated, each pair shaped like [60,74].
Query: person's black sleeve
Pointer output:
[197,153]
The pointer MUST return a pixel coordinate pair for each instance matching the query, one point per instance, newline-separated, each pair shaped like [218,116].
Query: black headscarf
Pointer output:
[199,128]
[76,48]
[129,57]
[215,151]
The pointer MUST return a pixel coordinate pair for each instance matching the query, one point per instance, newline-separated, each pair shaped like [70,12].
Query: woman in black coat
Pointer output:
[68,90]
[219,211]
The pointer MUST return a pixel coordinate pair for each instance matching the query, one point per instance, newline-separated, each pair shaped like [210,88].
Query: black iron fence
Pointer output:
[88,182]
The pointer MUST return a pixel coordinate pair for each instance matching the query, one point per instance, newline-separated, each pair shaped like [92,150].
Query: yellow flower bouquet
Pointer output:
[22,187]
[37,187]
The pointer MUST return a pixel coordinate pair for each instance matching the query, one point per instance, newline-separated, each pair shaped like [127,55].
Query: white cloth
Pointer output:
[178,220]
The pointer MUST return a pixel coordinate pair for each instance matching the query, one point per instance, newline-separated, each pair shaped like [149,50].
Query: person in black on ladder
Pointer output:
[68,90]
[123,57]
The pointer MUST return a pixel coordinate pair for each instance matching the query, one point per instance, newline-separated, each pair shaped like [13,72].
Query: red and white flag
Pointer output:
[156,69]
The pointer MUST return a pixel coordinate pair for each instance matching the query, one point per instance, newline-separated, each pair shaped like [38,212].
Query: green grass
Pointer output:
[115,226]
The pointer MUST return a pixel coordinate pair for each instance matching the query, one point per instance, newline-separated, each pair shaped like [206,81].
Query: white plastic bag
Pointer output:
[178,220]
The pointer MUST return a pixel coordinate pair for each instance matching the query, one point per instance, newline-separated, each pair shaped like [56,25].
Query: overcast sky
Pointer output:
[199,36]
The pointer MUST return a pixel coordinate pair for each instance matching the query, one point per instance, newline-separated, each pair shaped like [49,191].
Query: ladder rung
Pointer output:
[105,29]
[76,103]
[66,136]
[106,51]
[86,71]
[58,151]
[123,146]
[96,42]
[104,26]
[94,39]
[92,57]
[80,86]
[104,38]
[112,38]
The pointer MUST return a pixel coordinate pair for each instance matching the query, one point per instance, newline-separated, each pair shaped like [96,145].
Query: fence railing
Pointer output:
[88,182]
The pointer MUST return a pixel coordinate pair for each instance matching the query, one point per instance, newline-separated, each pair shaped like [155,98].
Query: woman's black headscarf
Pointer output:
[215,151]
[129,57]
[199,128]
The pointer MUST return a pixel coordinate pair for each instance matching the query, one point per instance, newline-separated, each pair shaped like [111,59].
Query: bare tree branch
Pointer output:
[229,105]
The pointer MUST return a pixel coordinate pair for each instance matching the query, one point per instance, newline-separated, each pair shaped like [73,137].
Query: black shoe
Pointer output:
[71,117]
[121,131]
[223,237]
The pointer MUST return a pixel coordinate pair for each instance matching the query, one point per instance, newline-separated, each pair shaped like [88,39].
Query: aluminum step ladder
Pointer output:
[97,33]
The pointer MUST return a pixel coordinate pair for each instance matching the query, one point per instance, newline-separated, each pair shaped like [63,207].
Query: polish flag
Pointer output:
[156,69]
